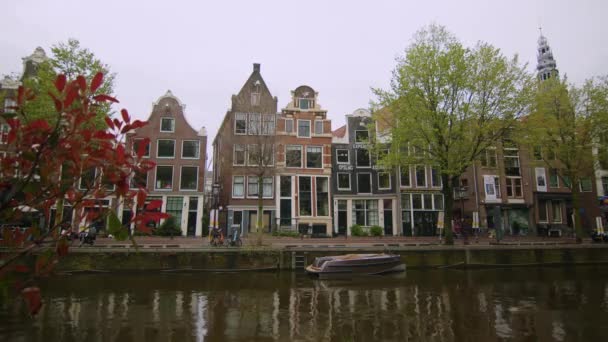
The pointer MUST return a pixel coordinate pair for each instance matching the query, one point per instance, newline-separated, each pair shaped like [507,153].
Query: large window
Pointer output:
[165,148]
[189,178]
[267,187]
[164,178]
[167,125]
[322,196]
[252,186]
[314,156]
[286,186]
[293,156]
[488,157]
[139,180]
[556,209]
[318,127]
[362,136]
[255,124]
[137,142]
[553,178]
[289,125]
[343,181]
[384,180]
[365,212]
[511,159]
[514,187]
[240,123]
[190,149]
[239,155]
[420,176]
[304,103]
[364,183]
[305,196]
[268,124]
[254,155]
[362,156]
[542,211]
[87,179]
[342,156]
[304,128]
[586,185]
[174,207]
[436,178]
[405,176]
[238,186]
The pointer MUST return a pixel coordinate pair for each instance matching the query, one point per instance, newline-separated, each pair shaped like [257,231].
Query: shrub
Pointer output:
[376,231]
[357,230]
[168,228]
[285,233]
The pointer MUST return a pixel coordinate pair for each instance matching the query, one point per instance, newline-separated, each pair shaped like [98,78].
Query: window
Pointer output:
[240,123]
[87,179]
[304,128]
[304,103]
[164,178]
[190,149]
[488,157]
[497,186]
[267,187]
[362,136]
[139,180]
[553,178]
[417,201]
[384,180]
[514,187]
[364,183]
[542,211]
[252,186]
[420,176]
[436,178]
[189,178]
[605,185]
[255,99]
[253,154]
[362,156]
[567,181]
[137,143]
[314,156]
[174,207]
[289,125]
[343,181]
[167,125]
[538,155]
[4,129]
[238,186]
[511,159]
[165,148]
[293,156]
[255,124]
[405,176]
[305,196]
[556,209]
[318,127]
[365,212]
[8,103]
[322,196]
[586,185]
[285,186]
[268,124]
[239,155]
[342,156]
[438,201]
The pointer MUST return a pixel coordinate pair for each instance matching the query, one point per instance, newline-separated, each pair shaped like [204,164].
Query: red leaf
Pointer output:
[20,94]
[125,115]
[104,98]
[104,135]
[40,125]
[143,228]
[33,299]
[137,124]
[56,100]
[72,93]
[156,204]
[117,123]
[141,197]
[125,129]
[109,122]
[141,148]
[82,82]
[96,82]
[120,154]
[60,82]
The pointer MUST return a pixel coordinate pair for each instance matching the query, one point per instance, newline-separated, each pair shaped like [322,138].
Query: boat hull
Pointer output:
[355,264]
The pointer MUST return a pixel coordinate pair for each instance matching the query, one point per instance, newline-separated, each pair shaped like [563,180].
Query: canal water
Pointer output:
[525,304]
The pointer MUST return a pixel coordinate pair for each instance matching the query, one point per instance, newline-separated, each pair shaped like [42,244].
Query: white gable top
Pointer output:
[170,95]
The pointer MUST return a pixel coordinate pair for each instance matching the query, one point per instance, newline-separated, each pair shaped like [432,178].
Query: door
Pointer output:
[191,223]
[342,218]
[388,217]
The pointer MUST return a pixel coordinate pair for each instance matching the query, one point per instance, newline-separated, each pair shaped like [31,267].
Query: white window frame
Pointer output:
[198,151]
[511,180]
[546,220]
[289,131]
[312,207]
[254,123]
[157,150]
[243,116]
[314,146]
[549,180]
[580,185]
[440,179]
[371,184]
[357,159]
[362,130]
[9,102]
[559,206]
[301,156]
[426,183]
[4,130]
[271,187]
[244,186]
[244,155]
[134,148]
[172,124]
[322,128]
[80,187]
[390,184]
[267,124]
[338,180]
[133,176]
[156,177]
[181,173]
[257,186]
[309,129]
[409,175]
[249,148]
[347,156]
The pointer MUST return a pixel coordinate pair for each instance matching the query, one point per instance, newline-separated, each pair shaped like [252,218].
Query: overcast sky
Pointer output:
[204,50]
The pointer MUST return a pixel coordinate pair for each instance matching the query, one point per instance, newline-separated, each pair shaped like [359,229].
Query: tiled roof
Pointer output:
[340,132]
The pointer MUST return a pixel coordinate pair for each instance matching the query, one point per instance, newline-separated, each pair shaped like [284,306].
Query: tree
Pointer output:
[447,104]
[71,60]
[63,159]
[565,125]
[261,157]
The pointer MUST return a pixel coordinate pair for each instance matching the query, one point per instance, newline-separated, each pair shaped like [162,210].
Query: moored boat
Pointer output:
[351,264]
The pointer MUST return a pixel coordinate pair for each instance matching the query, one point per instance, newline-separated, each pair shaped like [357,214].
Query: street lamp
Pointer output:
[461,193]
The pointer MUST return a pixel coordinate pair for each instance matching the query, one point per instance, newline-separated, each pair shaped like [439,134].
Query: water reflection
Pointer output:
[529,304]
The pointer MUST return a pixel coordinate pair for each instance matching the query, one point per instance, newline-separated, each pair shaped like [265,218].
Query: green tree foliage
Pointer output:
[566,125]
[71,60]
[169,228]
[446,104]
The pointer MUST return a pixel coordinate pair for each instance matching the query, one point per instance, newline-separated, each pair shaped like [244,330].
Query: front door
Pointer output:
[388,222]
[342,217]
[191,223]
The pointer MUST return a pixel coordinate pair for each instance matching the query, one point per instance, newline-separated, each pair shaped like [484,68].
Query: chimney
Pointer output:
[256,67]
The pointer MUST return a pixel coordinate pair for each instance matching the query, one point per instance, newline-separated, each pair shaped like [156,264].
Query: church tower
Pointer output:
[546,66]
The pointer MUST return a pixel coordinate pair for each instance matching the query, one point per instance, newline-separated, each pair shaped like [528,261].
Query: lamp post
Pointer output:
[462,193]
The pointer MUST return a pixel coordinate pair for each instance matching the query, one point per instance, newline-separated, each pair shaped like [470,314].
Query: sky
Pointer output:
[203,51]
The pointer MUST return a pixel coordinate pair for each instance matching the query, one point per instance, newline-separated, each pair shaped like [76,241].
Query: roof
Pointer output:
[340,132]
